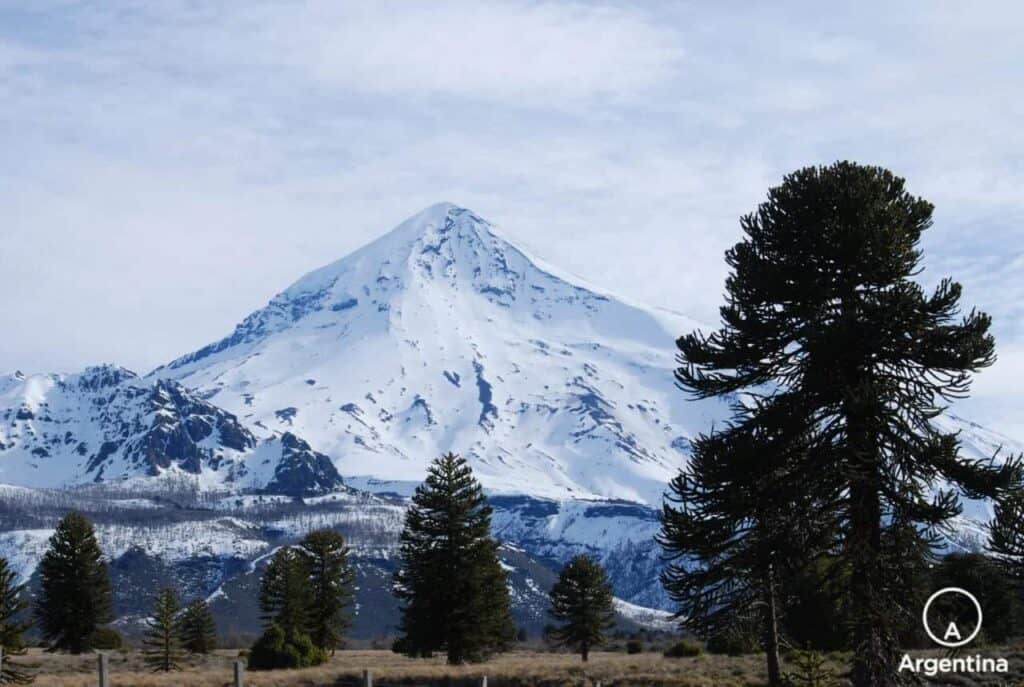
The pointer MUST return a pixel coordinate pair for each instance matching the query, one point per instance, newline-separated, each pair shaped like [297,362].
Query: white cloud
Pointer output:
[514,53]
[995,393]
[521,54]
[168,166]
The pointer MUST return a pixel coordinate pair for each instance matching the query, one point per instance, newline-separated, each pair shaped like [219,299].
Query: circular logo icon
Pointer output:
[952,630]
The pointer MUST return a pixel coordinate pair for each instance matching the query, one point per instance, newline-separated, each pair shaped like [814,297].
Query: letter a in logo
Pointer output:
[952,632]
[952,638]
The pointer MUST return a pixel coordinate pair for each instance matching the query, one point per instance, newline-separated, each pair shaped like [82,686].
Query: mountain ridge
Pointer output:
[107,423]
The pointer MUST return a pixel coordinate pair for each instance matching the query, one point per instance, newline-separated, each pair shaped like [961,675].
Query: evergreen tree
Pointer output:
[286,602]
[822,303]
[331,580]
[197,628]
[738,520]
[810,670]
[161,646]
[454,590]
[285,597]
[277,649]
[12,626]
[581,600]
[74,596]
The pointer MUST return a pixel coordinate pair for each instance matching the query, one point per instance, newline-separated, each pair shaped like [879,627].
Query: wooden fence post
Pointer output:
[104,670]
[367,678]
[239,671]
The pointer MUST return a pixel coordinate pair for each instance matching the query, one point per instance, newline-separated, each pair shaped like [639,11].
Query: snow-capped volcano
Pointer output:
[443,335]
[440,336]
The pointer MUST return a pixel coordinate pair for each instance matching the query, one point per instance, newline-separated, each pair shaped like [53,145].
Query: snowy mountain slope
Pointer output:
[442,335]
[619,534]
[976,443]
[107,424]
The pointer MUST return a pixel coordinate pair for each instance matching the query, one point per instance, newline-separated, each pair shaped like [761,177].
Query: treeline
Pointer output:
[818,512]
[452,585]
[120,505]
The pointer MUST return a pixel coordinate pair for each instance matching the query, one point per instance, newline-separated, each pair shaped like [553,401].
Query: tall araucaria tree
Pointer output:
[285,595]
[331,582]
[161,643]
[286,603]
[453,588]
[582,603]
[197,628]
[74,597]
[822,303]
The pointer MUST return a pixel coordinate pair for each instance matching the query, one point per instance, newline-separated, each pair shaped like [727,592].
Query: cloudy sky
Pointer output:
[167,167]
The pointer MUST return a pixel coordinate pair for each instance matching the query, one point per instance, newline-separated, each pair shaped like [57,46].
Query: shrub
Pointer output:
[634,646]
[811,670]
[276,650]
[684,649]
[733,642]
[106,639]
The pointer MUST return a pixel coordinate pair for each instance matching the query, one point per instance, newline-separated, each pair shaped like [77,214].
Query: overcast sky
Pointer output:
[168,167]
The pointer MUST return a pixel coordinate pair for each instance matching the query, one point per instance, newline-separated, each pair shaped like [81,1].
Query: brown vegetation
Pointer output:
[518,668]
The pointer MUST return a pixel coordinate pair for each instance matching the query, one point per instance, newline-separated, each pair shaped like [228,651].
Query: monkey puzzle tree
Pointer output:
[197,628]
[331,582]
[286,602]
[161,644]
[285,596]
[822,303]
[581,600]
[74,596]
[453,588]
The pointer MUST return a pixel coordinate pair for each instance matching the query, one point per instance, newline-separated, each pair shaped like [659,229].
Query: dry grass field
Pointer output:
[517,668]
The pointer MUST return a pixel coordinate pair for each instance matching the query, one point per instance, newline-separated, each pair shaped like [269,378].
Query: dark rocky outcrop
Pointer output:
[302,471]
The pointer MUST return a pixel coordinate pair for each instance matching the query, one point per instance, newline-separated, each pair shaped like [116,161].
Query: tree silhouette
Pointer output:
[821,304]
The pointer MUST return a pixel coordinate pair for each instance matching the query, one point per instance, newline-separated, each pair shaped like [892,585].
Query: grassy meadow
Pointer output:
[346,668]
[515,669]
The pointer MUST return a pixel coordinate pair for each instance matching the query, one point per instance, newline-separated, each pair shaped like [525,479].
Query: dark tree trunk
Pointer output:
[585,652]
[771,630]
[874,653]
